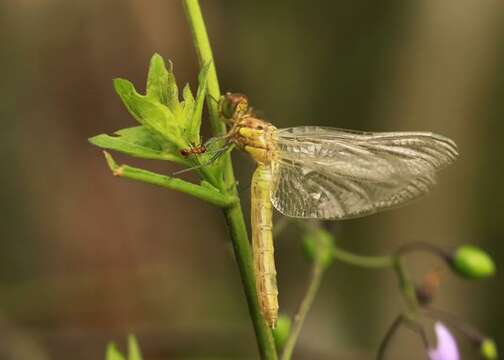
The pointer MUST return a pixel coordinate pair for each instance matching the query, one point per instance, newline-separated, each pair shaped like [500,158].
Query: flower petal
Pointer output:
[447,348]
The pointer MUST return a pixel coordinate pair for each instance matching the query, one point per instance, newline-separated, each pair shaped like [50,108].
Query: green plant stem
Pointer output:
[306,303]
[204,53]
[233,214]
[205,56]
[370,262]
[425,247]
[388,336]
[214,197]
[407,288]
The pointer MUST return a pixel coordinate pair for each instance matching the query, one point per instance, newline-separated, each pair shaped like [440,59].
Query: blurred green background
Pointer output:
[86,257]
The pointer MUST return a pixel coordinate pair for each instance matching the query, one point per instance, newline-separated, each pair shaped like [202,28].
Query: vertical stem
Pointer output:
[388,337]
[205,56]
[233,214]
[407,287]
[304,307]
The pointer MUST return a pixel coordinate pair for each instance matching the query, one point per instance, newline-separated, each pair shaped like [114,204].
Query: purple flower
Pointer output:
[446,345]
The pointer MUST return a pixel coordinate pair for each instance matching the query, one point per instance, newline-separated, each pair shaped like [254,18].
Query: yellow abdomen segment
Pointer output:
[262,244]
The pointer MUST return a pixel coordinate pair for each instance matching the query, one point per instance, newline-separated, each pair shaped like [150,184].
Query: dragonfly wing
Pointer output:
[336,174]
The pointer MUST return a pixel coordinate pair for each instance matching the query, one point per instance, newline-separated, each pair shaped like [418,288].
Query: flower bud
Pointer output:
[282,331]
[447,348]
[472,262]
[488,349]
[318,246]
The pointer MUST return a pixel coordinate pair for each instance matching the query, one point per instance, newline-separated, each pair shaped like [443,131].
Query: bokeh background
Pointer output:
[86,257]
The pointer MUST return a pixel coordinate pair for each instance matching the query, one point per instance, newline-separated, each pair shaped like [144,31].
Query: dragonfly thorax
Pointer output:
[255,136]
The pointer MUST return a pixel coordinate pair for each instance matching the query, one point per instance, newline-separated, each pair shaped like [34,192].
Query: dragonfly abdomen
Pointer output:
[262,244]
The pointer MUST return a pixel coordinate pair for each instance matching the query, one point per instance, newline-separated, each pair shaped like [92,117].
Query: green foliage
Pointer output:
[157,117]
[197,108]
[161,83]
[139,142]
[133,351]
[282,331]
[318,246]
[167,125]
[472,262]
[488,350]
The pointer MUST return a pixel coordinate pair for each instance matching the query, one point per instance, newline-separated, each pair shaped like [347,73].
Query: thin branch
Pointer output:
[388,337]
[423,246]
[306,303]
[419,329]
[204,193]
[407,287]
[371,262]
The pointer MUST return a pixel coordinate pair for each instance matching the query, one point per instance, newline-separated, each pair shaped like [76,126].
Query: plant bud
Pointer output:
[472,262]
[282,331]
[488,349]
[318,246]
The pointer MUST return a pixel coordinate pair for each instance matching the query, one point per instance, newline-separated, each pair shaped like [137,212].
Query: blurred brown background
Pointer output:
[86,258]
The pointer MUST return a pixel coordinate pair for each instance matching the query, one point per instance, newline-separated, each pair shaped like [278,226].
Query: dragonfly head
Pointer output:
[233,106]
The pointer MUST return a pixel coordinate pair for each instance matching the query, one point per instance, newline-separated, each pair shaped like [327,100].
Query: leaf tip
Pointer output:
[133,348]
[122,86]
[94,140]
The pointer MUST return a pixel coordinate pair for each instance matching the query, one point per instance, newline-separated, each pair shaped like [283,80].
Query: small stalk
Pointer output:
[213,197]
[425,247]
[306,303]
[388,337]
[370,262]
[407,288]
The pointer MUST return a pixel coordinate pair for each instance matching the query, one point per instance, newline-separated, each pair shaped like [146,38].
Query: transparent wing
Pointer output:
[335,174]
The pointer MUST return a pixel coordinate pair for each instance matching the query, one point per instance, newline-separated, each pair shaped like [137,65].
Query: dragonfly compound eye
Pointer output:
[233,105]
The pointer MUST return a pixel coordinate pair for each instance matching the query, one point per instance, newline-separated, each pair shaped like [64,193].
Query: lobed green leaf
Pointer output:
[120,144]
[150,113]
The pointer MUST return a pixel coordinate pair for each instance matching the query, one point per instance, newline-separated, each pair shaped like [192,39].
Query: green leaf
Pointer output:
[194,128]
[162,85]
[133,349]
[157,80]
[113,354]
[150,113]
[173,95]
[119,144]
[188,105]
[144,137]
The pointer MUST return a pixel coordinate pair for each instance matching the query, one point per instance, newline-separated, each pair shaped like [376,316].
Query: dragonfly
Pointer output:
[312,172]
